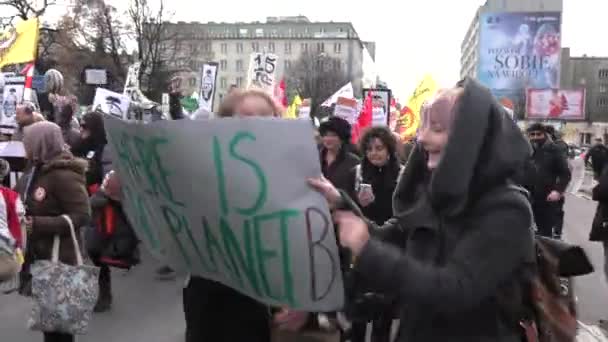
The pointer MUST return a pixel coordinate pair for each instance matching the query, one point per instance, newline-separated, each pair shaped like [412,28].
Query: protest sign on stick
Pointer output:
[262,71]
[112,103]
[222,200]
[346,109]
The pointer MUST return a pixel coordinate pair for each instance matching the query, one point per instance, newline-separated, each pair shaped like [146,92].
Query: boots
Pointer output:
[104,301]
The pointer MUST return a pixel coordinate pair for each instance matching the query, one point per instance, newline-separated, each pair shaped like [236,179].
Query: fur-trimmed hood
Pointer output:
[485,149]
[66,161]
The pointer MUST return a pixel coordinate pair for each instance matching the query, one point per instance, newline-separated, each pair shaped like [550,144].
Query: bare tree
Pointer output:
[25,9]
[316,76]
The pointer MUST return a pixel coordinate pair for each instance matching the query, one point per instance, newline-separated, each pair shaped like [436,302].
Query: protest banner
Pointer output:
[346,109]
[379,114]
[11,96]
[223,200]
[346,91]
[304,110]
[111,103]
[262,71]
[207,90]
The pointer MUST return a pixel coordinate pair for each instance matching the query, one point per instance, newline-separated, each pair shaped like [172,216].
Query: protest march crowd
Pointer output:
[453,234]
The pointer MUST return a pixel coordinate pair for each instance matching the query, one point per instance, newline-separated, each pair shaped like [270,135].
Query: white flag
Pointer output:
[346,91]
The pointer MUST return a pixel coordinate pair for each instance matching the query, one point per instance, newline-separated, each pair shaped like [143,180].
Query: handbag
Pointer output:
[64,295]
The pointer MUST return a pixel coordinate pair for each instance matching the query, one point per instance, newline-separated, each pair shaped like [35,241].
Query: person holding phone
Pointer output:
[373,183]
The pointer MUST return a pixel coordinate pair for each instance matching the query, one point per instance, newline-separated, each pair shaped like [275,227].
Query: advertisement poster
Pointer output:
[519,51]
[556,104]
[207,91]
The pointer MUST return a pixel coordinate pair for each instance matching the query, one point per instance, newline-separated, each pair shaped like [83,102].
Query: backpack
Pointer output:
[542,302]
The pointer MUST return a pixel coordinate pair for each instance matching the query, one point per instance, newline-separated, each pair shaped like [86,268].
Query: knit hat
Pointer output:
[338,126]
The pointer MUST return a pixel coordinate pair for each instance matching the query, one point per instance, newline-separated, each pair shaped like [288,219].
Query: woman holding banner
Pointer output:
[211,308]
[466,230]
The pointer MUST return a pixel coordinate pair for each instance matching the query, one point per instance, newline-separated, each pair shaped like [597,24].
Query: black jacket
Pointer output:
[467,233]
[339,172]
[598,155]
[599,228]
[383,181]
[547,171]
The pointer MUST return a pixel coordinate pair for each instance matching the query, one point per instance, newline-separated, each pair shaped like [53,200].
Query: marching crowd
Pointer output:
[453,233]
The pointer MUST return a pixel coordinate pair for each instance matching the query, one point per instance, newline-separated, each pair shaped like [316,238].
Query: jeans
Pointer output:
[58,337]
[546,216]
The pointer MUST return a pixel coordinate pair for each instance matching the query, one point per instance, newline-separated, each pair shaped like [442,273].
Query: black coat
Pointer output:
[339,172]
[467,232]
[546,171]
[599,228]
[383,181]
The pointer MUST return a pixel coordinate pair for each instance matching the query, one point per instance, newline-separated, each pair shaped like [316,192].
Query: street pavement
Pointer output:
[149,310]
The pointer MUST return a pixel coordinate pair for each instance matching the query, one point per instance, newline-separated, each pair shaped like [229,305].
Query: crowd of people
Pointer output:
[438,233]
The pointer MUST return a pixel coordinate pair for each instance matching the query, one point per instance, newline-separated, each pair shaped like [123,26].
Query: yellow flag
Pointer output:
[19,44]
[410,116]
[292,110]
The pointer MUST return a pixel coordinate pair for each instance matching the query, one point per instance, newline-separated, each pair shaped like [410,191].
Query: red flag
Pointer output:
[365,118]
[280,94]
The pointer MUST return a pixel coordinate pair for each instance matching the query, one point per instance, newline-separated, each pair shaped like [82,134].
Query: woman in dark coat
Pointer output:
[599,228]
[465,229]
[337,160]
[373,183]
[55,187]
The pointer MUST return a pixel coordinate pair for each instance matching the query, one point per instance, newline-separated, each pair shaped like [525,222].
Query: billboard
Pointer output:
[555,104]
[519,50]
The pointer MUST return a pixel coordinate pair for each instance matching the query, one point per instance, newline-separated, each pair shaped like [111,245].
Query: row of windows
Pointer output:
[255,47]
[239,65]
[603,73]
[260,32]
[602,102]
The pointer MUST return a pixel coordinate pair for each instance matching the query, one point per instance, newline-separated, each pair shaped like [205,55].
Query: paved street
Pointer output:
[151,311]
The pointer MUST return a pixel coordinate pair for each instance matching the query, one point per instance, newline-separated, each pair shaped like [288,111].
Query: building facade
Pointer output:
[231,44]
[590,73]
[469,49]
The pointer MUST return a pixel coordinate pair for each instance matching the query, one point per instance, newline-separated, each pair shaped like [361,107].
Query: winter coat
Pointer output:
[57,188]
[339,173]
[599,227]
[599,156]
[546,171]
[466,232]
[383,181]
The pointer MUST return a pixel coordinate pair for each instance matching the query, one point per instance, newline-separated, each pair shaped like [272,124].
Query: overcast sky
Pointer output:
[412,37]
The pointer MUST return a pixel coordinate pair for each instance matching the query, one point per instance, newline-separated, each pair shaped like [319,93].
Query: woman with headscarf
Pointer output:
[54,187]
[91,147]
[465,228]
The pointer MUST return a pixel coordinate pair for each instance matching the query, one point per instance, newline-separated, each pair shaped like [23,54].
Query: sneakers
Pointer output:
[165,273]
